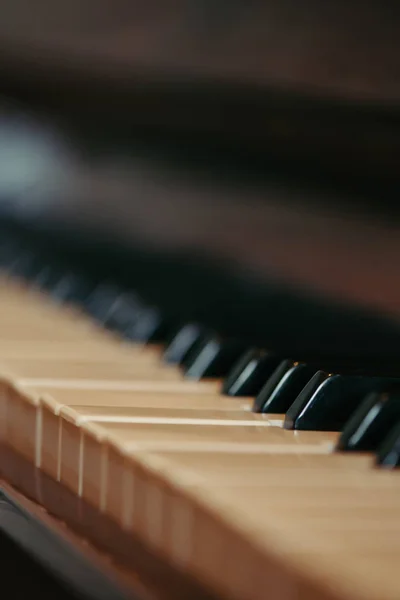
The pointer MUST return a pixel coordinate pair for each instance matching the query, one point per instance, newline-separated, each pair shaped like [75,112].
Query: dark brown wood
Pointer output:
[347,48]
[276,76]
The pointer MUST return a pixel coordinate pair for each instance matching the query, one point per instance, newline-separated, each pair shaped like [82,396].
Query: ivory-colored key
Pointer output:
[71,427]
[126,440]
[318,555]
[141,385]
[23,422]
[81,370]
[120,486]
[50,442]
[137,490]
[49,333]
[164,415]
[276,480]
[20,420]
[363,493]
[48,327]
[222,437]
[188,394]
[164,426]
[236,439]
[270,469]
[240,518]
[99,403]
[51,405]
[42,312]
[32,324]
[4,396]
[43,316]
[85,351]
[194,532]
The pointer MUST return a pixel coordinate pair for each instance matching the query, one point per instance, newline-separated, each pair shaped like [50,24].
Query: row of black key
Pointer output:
[365,409]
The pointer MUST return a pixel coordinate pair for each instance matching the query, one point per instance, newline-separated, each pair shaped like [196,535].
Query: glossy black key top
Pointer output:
[113,307]
[283,387]
[213,357]
[194,350]
[182,342]
[388,454]
[26,266]
[12,252]
[250,373]
[103,301]
[328,401]
[72,287]
[371,422]
[150,326]
[48,277]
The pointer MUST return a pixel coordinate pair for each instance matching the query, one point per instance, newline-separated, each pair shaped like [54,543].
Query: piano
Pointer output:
[199,325]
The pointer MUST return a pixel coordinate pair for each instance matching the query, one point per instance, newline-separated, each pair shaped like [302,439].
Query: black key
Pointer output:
[103,301]
[283,387]
[113,307]
[328,401]
[193,351]
[73,288]
[372,421]
[250,373]
[48,276]
[11,253]
[388,454]
[26,266]
[182,342]
[150,326]
[213,357]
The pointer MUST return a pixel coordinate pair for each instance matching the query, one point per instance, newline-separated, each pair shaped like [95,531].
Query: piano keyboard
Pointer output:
[231,475]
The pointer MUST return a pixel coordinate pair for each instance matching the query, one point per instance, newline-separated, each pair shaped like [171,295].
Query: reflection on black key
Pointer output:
[388,454]
[213,357]
[250,373]
[181,343]
[26,265]
[48,276]
[10,252]
[371,423]
[149,326]
[193,351]
[62,284]
[283,387]
[328,401]
[113,308]
[72,287]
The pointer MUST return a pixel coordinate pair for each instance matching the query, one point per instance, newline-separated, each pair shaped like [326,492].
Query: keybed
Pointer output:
[223,493]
